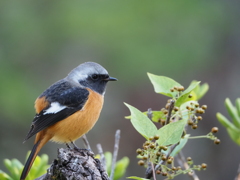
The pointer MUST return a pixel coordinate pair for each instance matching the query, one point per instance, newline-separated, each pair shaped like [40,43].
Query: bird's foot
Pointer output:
[82,150]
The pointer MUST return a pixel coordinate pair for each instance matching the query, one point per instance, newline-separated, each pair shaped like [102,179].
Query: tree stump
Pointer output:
[75,165]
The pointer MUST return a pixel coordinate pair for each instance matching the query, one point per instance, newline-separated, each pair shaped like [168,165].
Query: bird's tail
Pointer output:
[36,148]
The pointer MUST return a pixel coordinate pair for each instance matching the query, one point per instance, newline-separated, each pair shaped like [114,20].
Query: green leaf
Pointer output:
[11,168]
[4,176]
[108,157]
[16,163]
[184,96]
[225,122]
[156,115]
[16,172]
[191,87]
[39,166]
[8,164]
[238,106]
[138,178]
[181,145]
[235,135]
[163,84]
[142,123]
[171,133]
[232,112]
[232,130]
[121,167]
[16,168]
[201,90]
[43,165]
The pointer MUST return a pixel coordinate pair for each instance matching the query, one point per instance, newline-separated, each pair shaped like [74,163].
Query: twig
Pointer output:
[198,137]
[86,143]
[182,162]
[238,175]
[171,106]
[154,175]
[149,171]
[102,157]
[168,154]
[115,153]
[150,113]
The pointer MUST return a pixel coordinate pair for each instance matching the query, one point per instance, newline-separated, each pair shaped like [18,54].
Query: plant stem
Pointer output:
[197,137]
[115,153]
[86,143]
[149,113]
[154,175]
[170,151]
[102,157]
[238,175]
[171,106]
[182,162]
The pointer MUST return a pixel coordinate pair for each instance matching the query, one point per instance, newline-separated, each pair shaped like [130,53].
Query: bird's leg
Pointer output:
[75,146]
[82,150]
[79,149]
[69,147]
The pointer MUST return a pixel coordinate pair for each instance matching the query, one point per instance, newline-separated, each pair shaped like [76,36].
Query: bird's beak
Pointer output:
[111,79]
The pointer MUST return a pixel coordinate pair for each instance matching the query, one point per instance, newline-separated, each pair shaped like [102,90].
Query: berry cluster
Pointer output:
[177,88]
[194,108]
[151,152]
[160,156]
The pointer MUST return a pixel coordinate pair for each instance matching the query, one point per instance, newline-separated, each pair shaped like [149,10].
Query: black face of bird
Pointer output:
[97,82]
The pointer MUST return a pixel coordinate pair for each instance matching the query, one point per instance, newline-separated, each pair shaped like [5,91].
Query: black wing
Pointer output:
[72,98]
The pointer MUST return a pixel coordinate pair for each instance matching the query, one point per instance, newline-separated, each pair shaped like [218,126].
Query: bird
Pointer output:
[68,109]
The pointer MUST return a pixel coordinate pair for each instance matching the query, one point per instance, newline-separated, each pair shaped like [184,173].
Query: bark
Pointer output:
[75,165]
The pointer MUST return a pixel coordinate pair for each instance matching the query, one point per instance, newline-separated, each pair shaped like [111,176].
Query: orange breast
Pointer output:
[80,122]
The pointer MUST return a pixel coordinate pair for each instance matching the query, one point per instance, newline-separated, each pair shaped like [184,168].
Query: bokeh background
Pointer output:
[41,41]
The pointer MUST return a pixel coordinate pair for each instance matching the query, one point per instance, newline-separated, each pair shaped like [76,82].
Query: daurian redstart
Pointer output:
[68,109]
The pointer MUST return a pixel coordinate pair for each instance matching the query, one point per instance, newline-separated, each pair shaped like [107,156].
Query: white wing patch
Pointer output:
[54,108]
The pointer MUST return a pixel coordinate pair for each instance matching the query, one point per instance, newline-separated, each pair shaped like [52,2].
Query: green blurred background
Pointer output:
[41,41]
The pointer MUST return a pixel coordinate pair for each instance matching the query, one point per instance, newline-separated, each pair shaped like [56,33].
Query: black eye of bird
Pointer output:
[95,77]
